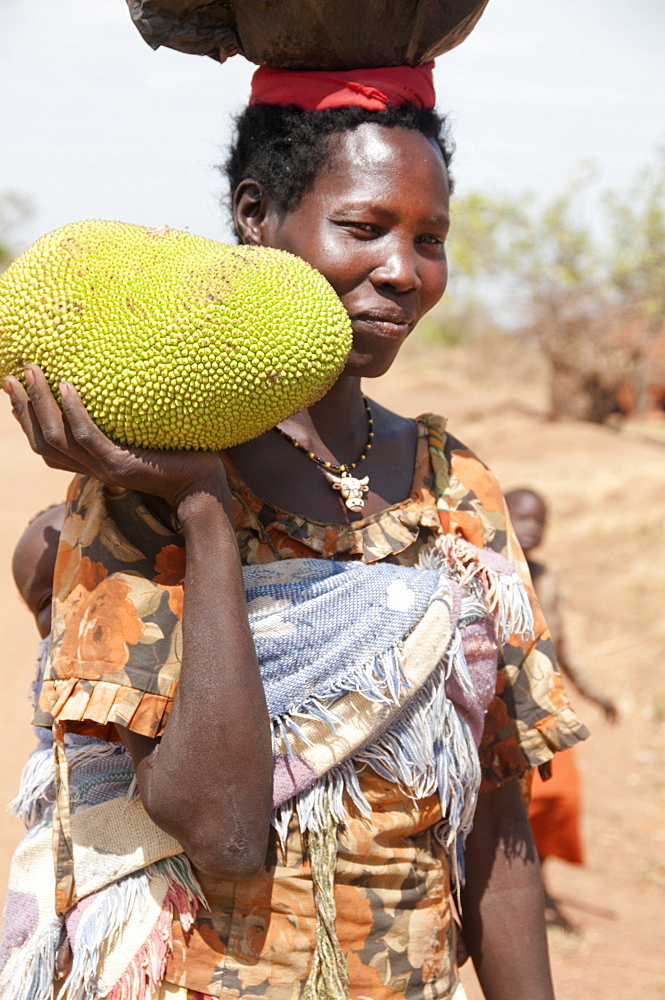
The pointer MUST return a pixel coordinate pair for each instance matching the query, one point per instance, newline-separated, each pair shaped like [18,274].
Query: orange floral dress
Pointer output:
[115,656]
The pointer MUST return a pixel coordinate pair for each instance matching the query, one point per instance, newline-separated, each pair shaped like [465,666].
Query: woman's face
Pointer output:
[374,224]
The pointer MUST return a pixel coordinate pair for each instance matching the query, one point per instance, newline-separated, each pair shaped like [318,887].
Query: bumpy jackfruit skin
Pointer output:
[173,341]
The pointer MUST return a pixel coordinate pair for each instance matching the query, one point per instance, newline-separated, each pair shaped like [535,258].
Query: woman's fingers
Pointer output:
[45,410]
[73,435]
[28,418]
[21,410]
[68,439]
[84,432]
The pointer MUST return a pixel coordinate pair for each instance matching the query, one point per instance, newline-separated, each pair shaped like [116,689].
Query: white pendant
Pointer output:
[352,489]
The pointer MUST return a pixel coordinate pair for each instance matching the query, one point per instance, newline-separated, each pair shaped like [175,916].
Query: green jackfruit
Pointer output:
[173,341]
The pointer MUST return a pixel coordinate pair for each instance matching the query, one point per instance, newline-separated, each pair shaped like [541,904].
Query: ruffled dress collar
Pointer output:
[383,535]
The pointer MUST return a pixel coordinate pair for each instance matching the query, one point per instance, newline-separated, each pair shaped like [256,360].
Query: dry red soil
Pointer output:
[607,539]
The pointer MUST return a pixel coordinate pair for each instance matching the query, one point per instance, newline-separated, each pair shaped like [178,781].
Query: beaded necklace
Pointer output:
[349,486]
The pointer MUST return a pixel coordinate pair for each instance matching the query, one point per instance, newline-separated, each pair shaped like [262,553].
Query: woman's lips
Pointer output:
[385,324]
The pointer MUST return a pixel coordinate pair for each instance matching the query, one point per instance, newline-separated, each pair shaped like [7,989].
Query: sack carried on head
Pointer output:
[309,34]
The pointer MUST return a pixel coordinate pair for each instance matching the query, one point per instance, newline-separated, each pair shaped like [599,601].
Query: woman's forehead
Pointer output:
[373,159]
[380,145]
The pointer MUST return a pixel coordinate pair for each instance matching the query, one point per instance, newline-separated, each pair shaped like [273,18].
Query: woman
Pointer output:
[350,174]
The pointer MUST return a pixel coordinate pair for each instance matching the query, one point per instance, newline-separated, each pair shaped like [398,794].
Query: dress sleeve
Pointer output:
[117,614]
[530,718]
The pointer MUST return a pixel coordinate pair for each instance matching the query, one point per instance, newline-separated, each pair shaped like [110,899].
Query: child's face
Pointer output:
[529,517]
[33,564]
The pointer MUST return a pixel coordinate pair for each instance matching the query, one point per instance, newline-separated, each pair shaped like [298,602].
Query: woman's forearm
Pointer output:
[209,782]
[504,927]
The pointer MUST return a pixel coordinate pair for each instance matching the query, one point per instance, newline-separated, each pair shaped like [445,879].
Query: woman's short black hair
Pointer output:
[283,148]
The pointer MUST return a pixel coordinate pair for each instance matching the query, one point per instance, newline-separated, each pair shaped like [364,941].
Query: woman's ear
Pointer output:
[251,209]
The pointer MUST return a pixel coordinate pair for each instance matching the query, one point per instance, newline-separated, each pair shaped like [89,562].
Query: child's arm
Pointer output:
[580,681]
[549,594]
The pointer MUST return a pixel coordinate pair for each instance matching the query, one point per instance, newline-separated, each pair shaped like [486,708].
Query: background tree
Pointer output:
[637,221]
[590,295]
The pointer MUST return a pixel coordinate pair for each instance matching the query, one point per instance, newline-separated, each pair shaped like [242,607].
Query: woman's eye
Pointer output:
[432,241]
[361,228]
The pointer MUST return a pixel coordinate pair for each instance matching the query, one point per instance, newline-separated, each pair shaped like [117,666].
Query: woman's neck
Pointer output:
[336,430]
[338,420]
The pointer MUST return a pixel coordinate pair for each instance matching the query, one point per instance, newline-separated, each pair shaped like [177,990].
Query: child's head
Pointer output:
[33,563]
[528,512]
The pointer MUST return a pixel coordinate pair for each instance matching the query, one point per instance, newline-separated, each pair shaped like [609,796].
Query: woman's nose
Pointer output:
[398,270]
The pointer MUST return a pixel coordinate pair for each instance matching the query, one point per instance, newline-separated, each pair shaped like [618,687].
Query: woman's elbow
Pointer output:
[230,853]
[229,859]
[225,835]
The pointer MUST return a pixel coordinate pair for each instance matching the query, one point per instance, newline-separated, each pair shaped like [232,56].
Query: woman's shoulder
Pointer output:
[462,479]
[447,444]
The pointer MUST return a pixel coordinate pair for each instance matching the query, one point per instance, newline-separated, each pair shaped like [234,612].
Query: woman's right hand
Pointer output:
[68,439]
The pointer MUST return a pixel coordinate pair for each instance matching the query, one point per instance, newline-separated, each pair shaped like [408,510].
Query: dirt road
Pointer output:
[607,540]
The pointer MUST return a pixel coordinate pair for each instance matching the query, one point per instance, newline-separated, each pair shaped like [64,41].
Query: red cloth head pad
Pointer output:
[373,89]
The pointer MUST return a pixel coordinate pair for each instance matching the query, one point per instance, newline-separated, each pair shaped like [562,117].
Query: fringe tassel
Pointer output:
[185,888]
[430,749]
[329,976]
[36,789]
[381,679]
[505,596]
[146,970]
[103,918]
[33,978]
[37,786]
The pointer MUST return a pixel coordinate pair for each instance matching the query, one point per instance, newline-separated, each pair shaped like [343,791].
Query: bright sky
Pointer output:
[93,123]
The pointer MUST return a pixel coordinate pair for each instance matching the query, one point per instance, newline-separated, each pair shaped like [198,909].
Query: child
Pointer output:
[33,563]
[555,805]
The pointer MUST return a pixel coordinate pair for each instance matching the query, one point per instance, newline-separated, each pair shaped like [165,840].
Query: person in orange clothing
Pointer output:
[554,813]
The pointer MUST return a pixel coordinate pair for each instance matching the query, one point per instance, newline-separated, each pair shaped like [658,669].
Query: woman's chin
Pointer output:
[370,364]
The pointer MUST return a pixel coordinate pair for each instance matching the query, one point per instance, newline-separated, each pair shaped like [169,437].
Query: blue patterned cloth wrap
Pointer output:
[315,622]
